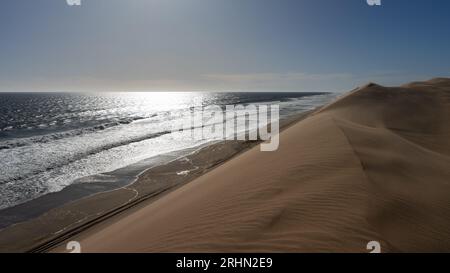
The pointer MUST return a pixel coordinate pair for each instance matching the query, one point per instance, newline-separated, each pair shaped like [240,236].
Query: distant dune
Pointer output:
[372,166]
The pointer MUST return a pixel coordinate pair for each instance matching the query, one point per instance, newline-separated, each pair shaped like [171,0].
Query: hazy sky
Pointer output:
[220,45]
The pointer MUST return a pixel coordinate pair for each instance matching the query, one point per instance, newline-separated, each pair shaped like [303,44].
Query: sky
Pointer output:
[220,45]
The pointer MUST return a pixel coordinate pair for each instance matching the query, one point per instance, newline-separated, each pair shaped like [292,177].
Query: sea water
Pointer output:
[49,141]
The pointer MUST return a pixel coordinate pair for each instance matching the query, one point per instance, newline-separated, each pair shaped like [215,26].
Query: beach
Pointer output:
[371,166]
[75,166]
[224,135]
[84,205]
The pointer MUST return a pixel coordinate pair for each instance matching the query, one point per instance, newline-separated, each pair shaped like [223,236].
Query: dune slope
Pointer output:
[374,165]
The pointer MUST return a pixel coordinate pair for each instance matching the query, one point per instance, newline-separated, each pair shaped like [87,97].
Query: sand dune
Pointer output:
[374,165]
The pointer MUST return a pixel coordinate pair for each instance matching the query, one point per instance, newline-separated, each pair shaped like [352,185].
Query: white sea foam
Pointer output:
[125,132]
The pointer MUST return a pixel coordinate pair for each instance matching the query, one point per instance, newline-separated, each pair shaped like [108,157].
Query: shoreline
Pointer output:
[73,217]
[116,179]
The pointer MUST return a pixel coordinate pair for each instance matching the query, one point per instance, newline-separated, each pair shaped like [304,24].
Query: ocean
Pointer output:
[49,141]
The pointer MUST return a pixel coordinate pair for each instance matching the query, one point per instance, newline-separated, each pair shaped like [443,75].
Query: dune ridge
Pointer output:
[371,166]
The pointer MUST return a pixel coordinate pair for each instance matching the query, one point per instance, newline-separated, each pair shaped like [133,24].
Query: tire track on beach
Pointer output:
[58,240]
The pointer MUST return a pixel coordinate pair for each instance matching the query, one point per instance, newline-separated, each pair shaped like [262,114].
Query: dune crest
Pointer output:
[372,166]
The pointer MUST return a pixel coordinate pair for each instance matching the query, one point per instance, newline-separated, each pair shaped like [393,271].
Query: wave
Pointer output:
[247,98]
[10,144]
[82,155]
